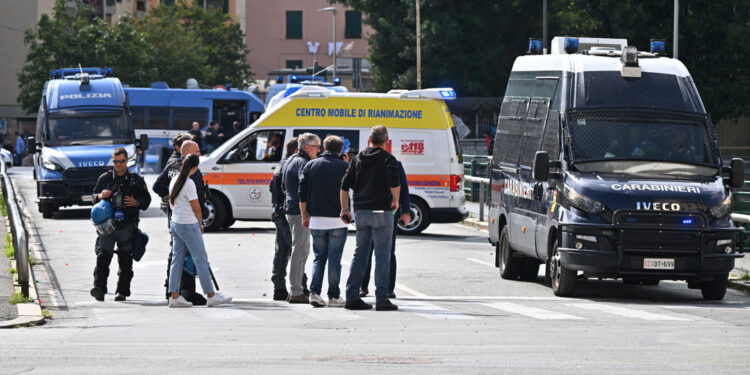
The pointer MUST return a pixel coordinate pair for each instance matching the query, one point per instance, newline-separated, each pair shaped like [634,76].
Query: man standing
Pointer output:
[127,192]
[161,187]
[20,149]
[309,146]
[320,208]
[215,136]
[283,245]
[373,175]
[197,136]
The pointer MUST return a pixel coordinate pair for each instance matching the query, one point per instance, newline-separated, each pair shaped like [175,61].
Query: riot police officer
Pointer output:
[127,193]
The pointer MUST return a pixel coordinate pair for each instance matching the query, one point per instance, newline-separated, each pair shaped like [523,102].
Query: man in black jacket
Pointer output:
[373,175]
[283,247]
[161,187]
[128,193]
[320,208]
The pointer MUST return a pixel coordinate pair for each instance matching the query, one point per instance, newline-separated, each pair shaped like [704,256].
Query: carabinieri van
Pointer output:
[606,165]
[421,135]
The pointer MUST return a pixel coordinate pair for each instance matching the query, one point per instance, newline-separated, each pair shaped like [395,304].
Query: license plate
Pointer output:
[87,198]
[658,264]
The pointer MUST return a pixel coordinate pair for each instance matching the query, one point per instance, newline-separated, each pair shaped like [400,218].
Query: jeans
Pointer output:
[328,245]
[105,250]
[188,238]
[376,227]
[300,252]
[187,284]
[392,278]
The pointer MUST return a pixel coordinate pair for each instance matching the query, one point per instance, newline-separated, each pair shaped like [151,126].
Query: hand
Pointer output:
[306,222]
[105,194]
[345,216]
[131,202]
[405,218]
[201,226]
[394,205]
[221,135]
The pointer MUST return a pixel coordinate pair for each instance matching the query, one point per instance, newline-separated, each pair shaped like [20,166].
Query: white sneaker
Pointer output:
[336,302]
[316,300]
[218,299]
[179,302]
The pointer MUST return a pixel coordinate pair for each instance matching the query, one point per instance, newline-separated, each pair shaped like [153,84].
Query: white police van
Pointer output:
[606,165]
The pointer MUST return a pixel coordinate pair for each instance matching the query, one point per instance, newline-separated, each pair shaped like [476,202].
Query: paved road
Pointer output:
[456,315]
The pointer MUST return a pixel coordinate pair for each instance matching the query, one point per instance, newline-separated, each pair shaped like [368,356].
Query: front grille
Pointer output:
[87,176]
[660,233]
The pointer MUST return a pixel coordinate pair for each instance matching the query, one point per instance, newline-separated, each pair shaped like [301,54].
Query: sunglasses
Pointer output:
[119,161]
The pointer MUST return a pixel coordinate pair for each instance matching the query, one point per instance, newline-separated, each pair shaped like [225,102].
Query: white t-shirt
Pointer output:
[325,223]
[182,211]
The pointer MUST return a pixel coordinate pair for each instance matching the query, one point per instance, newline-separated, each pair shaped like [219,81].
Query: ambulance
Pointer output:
[421,135]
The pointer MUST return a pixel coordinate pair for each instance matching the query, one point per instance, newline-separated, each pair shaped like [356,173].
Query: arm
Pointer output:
[197,212]
[345,215]
[392,177]
[303,192]
[161,185]
[99,191]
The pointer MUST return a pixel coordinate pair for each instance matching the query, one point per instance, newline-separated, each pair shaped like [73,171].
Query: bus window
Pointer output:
[228,111]
[183,118]
[158,118]
[138,117]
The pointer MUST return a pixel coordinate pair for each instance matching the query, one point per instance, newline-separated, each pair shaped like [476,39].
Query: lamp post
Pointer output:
[332,9]
[419,51]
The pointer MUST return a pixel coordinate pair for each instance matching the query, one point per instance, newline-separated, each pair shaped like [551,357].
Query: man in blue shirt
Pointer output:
[20,148]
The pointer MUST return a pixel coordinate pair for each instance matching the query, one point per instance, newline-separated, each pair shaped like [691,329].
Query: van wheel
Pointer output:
[716,289]
[529,269]
[230,221]
[216,213]
[563,279]
[47,210]
[420,218]
[510,266]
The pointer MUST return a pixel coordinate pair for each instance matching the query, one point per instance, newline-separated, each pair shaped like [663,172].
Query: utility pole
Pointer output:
[419,52]
[544,26]
[332,10]
[676,26]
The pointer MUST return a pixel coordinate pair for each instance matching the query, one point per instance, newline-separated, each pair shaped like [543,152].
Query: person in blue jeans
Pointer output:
[373,176]
[187,229]
[320,208]
[403,214]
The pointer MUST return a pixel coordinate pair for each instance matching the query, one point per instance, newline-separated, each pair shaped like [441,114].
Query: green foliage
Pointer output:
[33,261]
[46,314]
[470,45]
[9,251]
[3,205]
[18,297]
[12,270]
[170,43]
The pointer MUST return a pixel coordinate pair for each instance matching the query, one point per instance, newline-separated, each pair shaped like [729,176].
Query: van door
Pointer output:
[247,169]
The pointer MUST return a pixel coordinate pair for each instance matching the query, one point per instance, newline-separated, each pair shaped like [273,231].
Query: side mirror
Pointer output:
[737,173]
[541,166]
[232,156]
[31,146]
[143,142]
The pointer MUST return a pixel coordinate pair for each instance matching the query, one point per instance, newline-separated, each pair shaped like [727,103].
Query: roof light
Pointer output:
[84,78]
[337,81]
[57,73]
[279,79]
[293,78]
[629,59]
[448,93]
[571,45]
[657,46]
[442,93]
[535,47]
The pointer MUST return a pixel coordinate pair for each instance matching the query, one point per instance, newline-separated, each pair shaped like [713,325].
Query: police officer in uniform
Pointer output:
[127,193]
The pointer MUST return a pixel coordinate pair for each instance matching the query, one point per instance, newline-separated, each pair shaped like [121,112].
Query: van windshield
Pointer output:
[640,136]
[68,128]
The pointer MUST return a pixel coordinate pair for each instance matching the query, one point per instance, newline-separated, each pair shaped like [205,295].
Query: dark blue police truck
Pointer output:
[606,165]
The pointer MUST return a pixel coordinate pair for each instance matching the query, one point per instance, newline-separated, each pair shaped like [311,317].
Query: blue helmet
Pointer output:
[101,212]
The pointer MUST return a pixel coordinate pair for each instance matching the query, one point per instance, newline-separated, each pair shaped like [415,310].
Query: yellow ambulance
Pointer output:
[422,136]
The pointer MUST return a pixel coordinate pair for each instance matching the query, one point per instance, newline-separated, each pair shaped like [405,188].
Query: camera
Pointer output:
[118,200]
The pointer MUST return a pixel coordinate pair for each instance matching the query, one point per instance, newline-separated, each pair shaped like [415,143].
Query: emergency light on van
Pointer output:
[571,45]
[535,47]
[443,93]
[657,46]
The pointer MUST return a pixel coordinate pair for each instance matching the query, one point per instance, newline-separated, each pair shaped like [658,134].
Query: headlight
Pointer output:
[131,161]
[724,208]
[51,165]
[581,201]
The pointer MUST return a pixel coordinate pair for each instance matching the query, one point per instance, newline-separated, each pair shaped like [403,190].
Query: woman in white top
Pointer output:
[187,229]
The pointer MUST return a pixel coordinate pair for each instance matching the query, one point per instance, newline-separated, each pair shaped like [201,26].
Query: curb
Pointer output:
[476,224]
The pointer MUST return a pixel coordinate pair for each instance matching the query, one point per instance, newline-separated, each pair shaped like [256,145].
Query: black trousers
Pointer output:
[105,250]
[282,251]
[392,278]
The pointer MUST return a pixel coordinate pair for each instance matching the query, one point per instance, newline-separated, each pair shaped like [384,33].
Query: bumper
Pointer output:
[620,250]
[448,215]
[64,194]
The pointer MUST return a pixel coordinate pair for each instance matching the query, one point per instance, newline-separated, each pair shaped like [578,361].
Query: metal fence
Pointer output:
[20,238]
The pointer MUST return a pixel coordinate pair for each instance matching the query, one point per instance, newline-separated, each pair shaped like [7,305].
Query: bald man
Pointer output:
[161,187]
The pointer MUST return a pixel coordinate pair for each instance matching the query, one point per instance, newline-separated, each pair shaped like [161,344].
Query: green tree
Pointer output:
[171,43]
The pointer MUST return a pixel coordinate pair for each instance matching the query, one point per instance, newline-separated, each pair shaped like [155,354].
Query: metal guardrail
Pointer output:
[20,239]
[482,183]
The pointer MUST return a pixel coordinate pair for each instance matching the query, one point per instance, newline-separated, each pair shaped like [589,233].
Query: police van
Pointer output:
[82,118]
[422,136]
[606,165]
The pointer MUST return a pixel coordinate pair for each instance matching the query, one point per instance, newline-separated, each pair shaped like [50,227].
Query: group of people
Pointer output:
[181,187]
[310,195]
[311,200]
[215,136]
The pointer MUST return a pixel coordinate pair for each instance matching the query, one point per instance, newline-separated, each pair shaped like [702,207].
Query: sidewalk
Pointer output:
[7,311]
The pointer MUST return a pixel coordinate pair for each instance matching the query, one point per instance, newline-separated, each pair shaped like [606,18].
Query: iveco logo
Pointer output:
[657,206]
[90,95]
[90,163]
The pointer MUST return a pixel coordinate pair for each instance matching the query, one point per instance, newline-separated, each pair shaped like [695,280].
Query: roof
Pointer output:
[577,63]
[70,93]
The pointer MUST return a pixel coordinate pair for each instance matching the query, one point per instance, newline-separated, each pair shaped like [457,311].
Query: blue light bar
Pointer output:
[279,79]
[571,45]
[657,46]
[337,81]
[687,221]
[293,79]
[448,93]
[535,47]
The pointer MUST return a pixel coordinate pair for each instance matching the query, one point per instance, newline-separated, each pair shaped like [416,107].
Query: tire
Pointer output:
[510,266]
[420,218]
[716,289]
[529,269]
[216,213]
[47,210]
[563,280]
[229,222]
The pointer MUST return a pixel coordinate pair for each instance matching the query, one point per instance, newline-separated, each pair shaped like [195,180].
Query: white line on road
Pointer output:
[533,312]
[399,286]
[430,311]
[625,312]
[325,313]
[481,262]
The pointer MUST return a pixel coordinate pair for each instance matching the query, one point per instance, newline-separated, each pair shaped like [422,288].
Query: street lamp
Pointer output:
[332,9]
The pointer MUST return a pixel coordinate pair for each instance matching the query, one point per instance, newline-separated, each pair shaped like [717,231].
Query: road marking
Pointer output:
[399,286]
[533,312]
[325,313]
[430,311]
[625,312]
[481,262]
[485,298]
